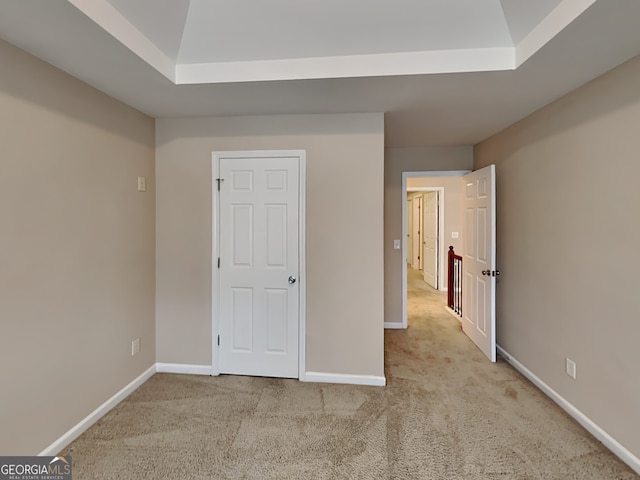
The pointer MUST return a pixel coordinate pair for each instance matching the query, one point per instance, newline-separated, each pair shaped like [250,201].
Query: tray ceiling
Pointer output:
[443,71]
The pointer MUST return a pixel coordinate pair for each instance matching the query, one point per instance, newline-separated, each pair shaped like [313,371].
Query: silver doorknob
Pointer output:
[292,280]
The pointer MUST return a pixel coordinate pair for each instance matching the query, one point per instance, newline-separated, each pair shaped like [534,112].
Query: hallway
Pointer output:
[421,297]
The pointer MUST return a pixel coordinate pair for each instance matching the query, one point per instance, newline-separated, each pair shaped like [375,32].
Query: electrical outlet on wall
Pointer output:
[135,346]
[571,368]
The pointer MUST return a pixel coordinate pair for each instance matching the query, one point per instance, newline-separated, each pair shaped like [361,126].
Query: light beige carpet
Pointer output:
[446,413]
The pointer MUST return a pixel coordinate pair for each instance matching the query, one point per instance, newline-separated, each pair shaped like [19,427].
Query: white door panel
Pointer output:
[409,238]
[242,319]
[276,321]
[479,281]
[259,230]
[416,262]
[242,234]
[430,239]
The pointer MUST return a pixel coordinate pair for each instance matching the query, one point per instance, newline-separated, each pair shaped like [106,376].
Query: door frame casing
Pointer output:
[216,156]
[405,176]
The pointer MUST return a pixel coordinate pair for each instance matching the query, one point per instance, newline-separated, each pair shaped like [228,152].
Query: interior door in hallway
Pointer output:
[259,247]
[416,234]
[409,239]
[430,239]
[479,260]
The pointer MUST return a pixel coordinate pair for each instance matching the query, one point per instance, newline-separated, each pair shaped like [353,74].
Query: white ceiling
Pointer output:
[219,31]
[161,21]
[523,15]
[443,71]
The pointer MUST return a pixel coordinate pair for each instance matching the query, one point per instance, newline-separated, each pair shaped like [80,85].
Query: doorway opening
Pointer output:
[431,222]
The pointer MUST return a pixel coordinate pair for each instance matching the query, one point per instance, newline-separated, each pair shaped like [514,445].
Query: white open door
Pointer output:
[430,239]
[479,260]
[258,265]
[409,258]
[416,262]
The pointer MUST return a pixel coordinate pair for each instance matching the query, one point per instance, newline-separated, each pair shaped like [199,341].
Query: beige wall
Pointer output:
[396,161]
[453,196]
[77,256]
[568,234]
[344,226]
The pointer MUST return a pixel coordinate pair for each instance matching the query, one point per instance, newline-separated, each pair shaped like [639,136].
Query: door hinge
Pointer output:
[218,262]
[219,180]
[218,340]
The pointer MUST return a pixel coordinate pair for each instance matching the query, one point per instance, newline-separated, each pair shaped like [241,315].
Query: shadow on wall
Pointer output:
[56,96]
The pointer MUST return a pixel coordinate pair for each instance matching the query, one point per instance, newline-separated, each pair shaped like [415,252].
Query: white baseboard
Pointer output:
[393,325]
[184,368]
[57,446]
[611,443]
[345,378]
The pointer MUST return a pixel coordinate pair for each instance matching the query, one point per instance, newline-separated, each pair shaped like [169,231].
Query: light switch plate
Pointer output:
[571,368]
[396,244]
[142,184]
[455,235]
[135,347]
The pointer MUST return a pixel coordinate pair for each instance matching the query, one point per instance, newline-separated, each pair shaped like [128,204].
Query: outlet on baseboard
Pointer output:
[571,368]
[135,346]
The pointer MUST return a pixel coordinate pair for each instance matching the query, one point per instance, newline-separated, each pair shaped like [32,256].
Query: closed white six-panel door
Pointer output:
[259,285]
[478,264]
